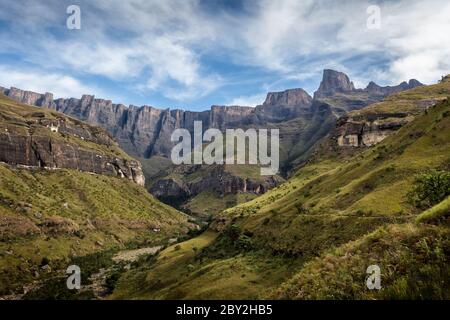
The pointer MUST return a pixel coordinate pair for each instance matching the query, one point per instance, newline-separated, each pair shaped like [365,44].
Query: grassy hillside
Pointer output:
[333,218]
[51,218]
[410,101]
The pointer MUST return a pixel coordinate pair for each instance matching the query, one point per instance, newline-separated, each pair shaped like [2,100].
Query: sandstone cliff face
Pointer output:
[145,131]
[367,131]
[285,105]
[45,139]
[216,179]
[291,97]
[371,125]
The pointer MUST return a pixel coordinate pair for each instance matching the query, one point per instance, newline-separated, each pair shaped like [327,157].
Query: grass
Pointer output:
[177,257]
[412,259]
[50,217]
[65,213]
[209,203]
[314,236]
[441,210]
[409,101]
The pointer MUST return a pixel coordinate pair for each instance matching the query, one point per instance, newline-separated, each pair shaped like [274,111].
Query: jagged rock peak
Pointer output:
[374,88]
[332,82]
[290,97]
[414,83]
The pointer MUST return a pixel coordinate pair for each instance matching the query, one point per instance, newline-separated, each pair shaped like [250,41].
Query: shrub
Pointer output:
[233,232]
[243,242]
[430,188]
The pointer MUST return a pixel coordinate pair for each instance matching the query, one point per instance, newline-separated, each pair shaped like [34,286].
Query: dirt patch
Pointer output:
[16,226]
[133,255]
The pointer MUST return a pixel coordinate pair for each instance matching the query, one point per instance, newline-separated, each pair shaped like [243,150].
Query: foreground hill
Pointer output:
[68,191]
[315,235]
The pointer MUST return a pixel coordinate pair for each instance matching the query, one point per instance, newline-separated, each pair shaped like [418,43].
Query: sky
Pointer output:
[192,54]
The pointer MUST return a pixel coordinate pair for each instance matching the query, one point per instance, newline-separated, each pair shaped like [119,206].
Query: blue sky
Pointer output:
[192,54]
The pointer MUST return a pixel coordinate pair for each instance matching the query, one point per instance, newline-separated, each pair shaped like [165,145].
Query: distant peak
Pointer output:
[333,81]
[290,97]
[415,83]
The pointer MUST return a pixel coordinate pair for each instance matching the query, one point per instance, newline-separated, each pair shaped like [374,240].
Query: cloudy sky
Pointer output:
[195,53]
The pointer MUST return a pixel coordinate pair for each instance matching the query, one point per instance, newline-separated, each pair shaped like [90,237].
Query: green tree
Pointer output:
[430,188]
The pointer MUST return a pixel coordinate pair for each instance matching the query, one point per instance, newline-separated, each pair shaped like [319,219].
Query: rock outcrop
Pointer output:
[373,88]
[360,131]
[216,179]
[334,82]
[37,138]
[371,125]
[291,98]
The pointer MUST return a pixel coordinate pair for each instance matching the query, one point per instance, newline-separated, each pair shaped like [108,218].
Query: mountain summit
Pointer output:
[338,82]
[332,82]
[290,97]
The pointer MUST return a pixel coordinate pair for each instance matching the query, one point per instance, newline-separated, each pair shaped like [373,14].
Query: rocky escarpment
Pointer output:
[337,88]
[371,125]
[187,181]
[360,131]
[285,105]
[145,131]
[39,138]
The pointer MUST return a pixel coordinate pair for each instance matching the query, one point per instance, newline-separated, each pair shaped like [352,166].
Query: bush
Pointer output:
[430,189]
[243,242]
[233,232]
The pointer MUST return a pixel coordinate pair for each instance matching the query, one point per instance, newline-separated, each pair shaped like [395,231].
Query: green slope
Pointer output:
[330,208]
[51,218]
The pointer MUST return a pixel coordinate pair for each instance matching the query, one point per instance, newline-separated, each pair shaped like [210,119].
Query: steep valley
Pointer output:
[313,236]
[351,158]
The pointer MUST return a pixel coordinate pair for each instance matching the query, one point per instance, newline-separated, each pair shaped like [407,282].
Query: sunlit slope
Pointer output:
[49,216]
[329,208]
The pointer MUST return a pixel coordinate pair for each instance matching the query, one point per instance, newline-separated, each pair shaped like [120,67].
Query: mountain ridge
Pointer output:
[145,131]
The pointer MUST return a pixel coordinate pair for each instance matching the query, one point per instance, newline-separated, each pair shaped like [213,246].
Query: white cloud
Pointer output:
[165,46]
[155,49]
[60,85]
[251,101]
[291,35]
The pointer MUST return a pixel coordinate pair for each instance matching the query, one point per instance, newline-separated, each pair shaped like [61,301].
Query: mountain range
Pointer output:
[144,132]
